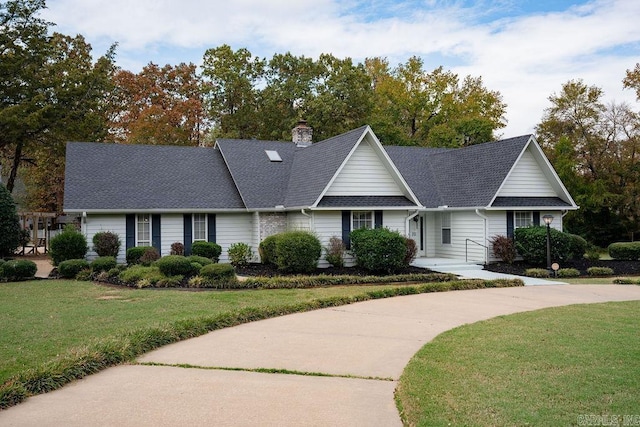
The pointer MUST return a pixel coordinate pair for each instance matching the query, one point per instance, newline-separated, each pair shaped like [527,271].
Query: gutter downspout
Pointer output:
[312,225]
[256,233]
[485,222]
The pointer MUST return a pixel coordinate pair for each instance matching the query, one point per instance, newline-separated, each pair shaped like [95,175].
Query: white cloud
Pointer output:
[525,57]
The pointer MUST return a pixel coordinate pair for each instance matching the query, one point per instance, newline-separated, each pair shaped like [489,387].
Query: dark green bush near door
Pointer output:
[297,252]
[70,268]
[531,243]
[379,249]
[206,249]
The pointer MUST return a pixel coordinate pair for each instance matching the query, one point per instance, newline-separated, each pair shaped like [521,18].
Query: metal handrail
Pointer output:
[466,248]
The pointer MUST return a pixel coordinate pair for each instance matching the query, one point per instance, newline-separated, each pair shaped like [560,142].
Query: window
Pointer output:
[523,219]
[199,227]
[143,230]
[361,219]
[445,225]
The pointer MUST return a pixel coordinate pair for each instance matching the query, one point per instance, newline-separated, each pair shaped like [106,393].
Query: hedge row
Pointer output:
[629,251]
[19,269]
[127,347]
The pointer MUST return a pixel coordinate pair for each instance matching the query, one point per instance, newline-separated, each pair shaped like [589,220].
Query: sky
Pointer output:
[526,50]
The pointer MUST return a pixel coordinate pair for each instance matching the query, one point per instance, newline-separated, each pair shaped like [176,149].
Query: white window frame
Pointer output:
[445,228]
[205,227]
[522,219]
[364,219]
[143,220]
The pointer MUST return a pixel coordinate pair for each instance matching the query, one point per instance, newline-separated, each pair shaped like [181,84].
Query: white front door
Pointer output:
[417,233]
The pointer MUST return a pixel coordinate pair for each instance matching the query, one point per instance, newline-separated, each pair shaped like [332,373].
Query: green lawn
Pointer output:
[44,319]
[547,367]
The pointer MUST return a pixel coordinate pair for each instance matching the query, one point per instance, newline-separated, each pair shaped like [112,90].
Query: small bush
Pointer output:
[599,271]
[199,259]
[239,254]
[217,276]
[103,263]
[629,251]
[136,273]
[84,275]
[170,282]
[70,268]
[504,248]
[412,251]
[568,272]
[592,253]
[70,244]
[297,252]
[626,281]
[206,249]
[536,272]
[175,265]
[177,248]
[267,250]
[106,243]
[18,269]
[335,252]
[378,249]
[134,254]
[149,256]
[114,272]
[531,243]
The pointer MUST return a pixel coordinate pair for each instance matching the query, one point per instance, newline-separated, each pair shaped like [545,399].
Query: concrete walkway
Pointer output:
[371,342]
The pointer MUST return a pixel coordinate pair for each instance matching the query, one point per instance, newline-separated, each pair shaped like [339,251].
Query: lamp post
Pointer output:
[548,219]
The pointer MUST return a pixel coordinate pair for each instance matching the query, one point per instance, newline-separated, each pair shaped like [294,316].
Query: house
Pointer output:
[451,201]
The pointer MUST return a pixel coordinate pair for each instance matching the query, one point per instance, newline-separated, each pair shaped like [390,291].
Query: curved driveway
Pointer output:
[362,347]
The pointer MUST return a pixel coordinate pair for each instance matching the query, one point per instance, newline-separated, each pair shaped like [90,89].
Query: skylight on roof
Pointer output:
[273,155]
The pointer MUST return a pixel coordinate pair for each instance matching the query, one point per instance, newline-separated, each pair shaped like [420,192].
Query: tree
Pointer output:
[159,105]
[594,148]
[632,80]
[413,107]
[9,224]
[231,93]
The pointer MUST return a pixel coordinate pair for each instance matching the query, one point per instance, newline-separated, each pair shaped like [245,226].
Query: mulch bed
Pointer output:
[620,268]
[271,271]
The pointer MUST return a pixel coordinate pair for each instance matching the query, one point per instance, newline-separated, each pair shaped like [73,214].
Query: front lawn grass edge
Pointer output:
[125,348]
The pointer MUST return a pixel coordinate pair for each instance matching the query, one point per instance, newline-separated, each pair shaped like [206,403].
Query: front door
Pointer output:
[417,233]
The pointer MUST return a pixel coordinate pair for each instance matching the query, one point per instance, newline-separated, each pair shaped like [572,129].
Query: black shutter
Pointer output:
[510,226]
[536,218]
[130,233]
[155,232]
[188,233]
[377,219]
[346,228]
[211,228]
[421,233]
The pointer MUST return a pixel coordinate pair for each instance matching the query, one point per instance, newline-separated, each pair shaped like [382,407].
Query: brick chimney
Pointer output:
[302,134]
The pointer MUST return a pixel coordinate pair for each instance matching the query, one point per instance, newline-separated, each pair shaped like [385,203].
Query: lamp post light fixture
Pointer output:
[548,219]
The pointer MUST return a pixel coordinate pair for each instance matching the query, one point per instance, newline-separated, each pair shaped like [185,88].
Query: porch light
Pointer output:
[548,219]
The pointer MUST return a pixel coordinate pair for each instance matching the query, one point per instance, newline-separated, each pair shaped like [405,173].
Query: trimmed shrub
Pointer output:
[378,249]
[149,256]
[175,265]
[199,259]
[504,248]
[70,244]
[578,246]
[177,248]
[592,253]
[335,252]
[531,243]
[239,254]
[412,251]
[216,275]
[18,269]
[70,268]
[9,224]
[106,243]
[267,250]
[599,271]
[133,254]
[206,249]
[297,252]
[568,272]
[629,251]
[136,273]
[103,263]
[536,272]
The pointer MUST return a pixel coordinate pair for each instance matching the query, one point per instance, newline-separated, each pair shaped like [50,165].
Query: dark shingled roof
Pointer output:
[541,202]
[365,201]
[142,177]
[463,177]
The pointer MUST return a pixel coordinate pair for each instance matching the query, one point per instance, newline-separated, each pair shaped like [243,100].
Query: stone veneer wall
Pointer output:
[272,223]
